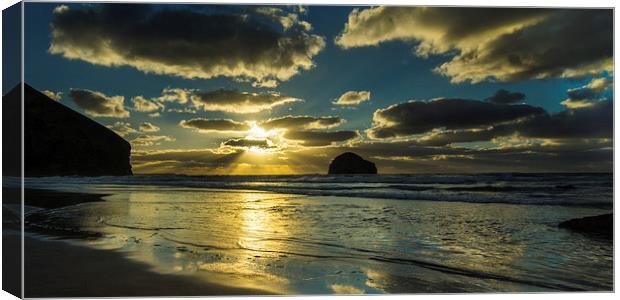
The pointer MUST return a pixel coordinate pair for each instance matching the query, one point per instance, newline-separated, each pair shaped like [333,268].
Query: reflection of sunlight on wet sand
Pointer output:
[345,289]
[252,229]
[140,224]
[260,221]
[375,280]
[306,244]
[473,243]
[258,224]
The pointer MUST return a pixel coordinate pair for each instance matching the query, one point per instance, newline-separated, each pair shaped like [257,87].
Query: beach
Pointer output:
[185,149]
[173,239]
[58,266]
[58,269]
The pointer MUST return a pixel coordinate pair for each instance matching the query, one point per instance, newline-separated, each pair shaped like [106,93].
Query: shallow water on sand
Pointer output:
[292,243]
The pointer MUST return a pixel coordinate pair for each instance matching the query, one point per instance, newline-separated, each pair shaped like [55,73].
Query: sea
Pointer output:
[373,234]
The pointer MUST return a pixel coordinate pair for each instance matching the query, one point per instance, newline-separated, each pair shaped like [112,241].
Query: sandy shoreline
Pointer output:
[245,243]
[58,269]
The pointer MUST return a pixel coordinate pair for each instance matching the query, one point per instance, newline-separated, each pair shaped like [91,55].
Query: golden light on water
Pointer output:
[258,233]
[250,235]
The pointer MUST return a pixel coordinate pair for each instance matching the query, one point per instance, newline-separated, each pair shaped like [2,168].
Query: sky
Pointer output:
[231,89]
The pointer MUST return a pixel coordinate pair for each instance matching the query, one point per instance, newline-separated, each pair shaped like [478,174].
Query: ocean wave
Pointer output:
[594,190]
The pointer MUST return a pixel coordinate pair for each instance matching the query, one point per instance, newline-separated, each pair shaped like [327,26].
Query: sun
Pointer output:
[257,133]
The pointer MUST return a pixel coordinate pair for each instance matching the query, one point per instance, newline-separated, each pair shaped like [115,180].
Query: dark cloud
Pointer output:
[582,125]
[438,28]
[320,138]
[545,50]
[185,42]
[410,157]
[203,124]
[417,117]
[582,93]
[97,104]
[504,44]
[302,122]
[503,96]
[244,143]
[589,94]
[595,121]
[459,136]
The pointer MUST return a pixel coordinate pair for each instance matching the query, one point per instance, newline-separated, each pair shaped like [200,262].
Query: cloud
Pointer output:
[155,115]
[182,161]
[320,138]
[182,110]
[589,94]
[594,121]
[231,101]
[56,96]
[590,91]
[148,127]
[270,83]
[179,95]
[411,157]
[186,42]
[97,104]
[151,140]
[302,122]
[390,157]
[143,105]
[600,85]
[577,124]
[417,117]
[574,103]
[122,128]
[206,125]
[353,98]
[506,97]
[246,144]
[500,44]
[61,9]
[447,137]
[436,29]
[572,140]
[288,20]
[239,102]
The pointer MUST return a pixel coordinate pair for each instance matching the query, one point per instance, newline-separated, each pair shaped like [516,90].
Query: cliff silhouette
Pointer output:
[58,141]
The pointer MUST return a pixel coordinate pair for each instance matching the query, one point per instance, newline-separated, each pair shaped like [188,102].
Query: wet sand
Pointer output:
[83,272]
[213,242]
[44,198]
